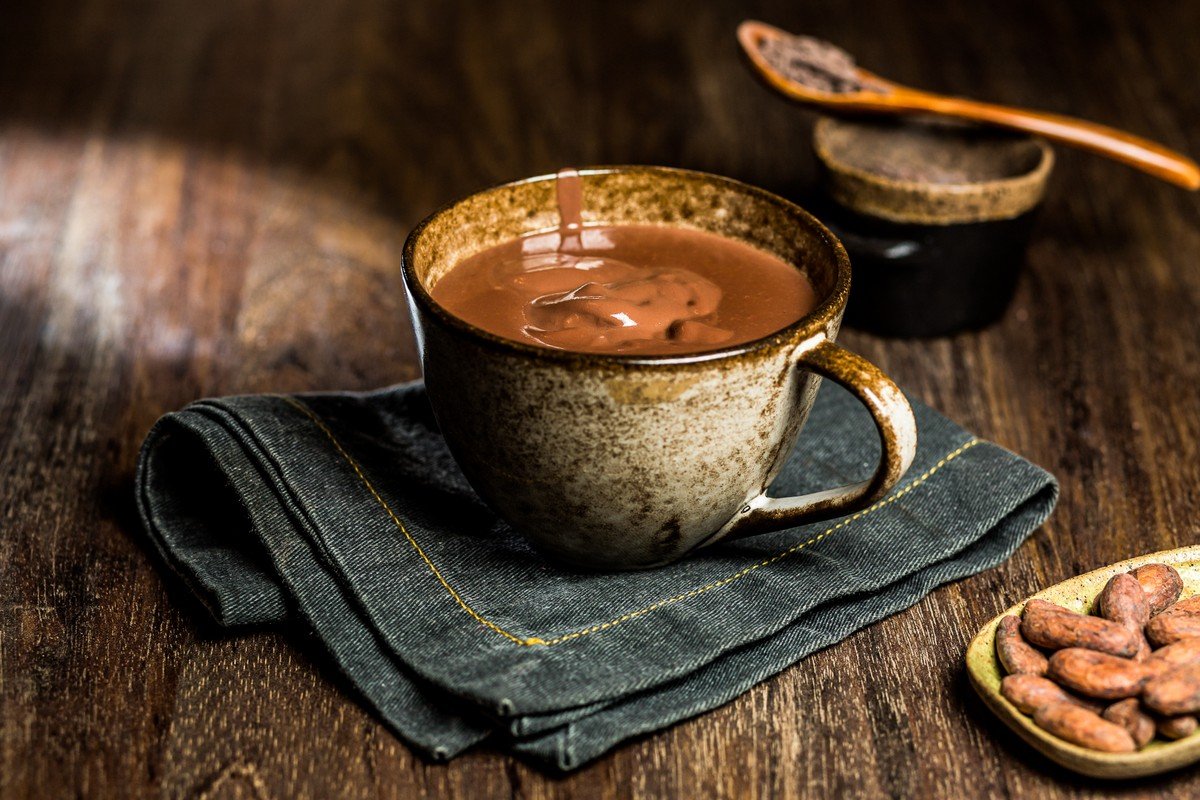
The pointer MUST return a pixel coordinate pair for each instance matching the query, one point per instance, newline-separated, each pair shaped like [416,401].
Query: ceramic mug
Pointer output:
[623,461]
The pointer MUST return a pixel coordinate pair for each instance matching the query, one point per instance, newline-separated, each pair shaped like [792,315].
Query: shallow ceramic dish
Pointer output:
[1077,594]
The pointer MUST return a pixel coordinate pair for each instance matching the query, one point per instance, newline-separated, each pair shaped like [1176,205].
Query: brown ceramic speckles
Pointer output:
[610,461]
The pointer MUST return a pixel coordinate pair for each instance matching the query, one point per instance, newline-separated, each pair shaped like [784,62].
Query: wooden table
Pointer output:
[207,198]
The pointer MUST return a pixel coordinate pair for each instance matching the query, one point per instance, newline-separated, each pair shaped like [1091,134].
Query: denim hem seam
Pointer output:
[536,641]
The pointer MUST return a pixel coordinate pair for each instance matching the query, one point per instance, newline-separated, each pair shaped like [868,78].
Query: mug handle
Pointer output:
[897,428]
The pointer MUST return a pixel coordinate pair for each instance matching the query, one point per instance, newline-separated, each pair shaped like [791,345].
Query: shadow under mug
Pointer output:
[622,461]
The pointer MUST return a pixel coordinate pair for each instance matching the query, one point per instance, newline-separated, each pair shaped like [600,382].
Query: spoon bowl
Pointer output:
[881,96]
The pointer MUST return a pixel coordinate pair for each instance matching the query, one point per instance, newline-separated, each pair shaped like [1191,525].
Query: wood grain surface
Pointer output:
[208,198]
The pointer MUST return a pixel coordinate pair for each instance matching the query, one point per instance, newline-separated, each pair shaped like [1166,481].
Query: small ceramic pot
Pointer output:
[618,461]
[936,218]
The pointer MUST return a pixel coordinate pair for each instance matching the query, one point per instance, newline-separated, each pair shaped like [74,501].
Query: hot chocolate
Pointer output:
[633,289]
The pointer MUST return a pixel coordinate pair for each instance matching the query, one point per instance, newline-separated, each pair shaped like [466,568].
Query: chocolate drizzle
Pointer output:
[569,191]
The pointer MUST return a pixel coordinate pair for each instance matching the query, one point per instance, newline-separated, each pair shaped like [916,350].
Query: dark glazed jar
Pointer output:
[935,217]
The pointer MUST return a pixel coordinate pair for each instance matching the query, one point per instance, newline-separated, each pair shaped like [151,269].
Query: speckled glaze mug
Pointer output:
[612,461]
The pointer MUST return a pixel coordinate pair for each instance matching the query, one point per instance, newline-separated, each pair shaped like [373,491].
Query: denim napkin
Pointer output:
[348,512]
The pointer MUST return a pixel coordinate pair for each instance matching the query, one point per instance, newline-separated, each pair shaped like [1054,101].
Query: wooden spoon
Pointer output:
[882,96]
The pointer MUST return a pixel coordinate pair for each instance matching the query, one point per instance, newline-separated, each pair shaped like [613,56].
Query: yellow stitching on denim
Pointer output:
[534,640]
[777,557]
[432,568]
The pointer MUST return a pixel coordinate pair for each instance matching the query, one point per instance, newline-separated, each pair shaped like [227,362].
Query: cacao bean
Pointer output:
[1129,715]
[1096,674]
[1084,728]
[1161,583]
[1017,655]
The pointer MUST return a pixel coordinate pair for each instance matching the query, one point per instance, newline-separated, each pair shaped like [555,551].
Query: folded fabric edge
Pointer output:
[366,665]
[261,595]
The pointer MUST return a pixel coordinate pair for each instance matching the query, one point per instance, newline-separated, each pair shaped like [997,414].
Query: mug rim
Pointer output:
[815,321]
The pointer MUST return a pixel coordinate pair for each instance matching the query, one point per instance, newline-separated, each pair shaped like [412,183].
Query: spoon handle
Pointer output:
[1150,157]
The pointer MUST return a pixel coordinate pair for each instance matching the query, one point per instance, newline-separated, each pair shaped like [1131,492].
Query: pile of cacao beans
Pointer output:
[1115,678]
